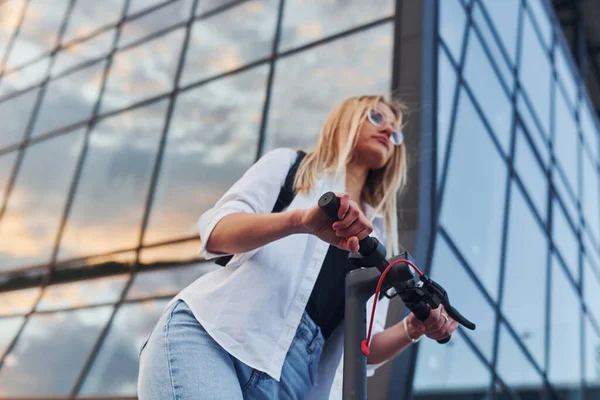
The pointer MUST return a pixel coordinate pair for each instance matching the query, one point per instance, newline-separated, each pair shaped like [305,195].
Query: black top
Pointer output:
[327,301]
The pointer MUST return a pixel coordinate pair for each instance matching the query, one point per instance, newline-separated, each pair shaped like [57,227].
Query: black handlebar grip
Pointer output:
[422,312]
[330,204]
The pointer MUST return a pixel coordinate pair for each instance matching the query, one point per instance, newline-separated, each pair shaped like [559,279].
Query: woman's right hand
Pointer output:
[352,226]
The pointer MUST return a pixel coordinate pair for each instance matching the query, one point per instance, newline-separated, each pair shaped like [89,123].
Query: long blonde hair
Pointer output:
[335,149]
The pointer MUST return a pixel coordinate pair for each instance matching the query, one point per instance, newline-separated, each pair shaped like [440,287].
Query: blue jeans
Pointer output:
[181,361]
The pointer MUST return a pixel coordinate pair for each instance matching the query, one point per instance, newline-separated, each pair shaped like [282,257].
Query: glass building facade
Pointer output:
[123,120]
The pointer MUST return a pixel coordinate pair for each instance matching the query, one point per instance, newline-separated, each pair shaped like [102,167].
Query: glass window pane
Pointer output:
[453,22]
[591,195]
[24,77]
[82,293]
[476,168]
[445,99]
[565,194]
[88,16]
[229,40]
[488,91]
[531,173]
[306,21]
[543,20]
[18,301]
[592,357]
[51,352]
[452,367]
[535,74]
[540,141]
[465,296]
[232,108]
[162,18]
[13,129]
[143,71]
[9,327]
[184,252]
[591,289]
[209,5]
[39,31]
[135,6]
[514,367]
[11,14]
[166,282]
[591,134]
[565,240]
[30,223]
[117,261]
[308,85]
[591,251]
[7,162]
[114,371]
[565,73]
[109,202]
[80,52]
[492,44]
[69,99]
[526,266]
[566,139]
[505,18]
[564,370]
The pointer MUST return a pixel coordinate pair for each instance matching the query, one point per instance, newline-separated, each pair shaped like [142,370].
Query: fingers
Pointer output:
[444,327]
[344,204]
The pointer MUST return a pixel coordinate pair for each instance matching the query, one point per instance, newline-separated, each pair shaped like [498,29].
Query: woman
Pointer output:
[268,325]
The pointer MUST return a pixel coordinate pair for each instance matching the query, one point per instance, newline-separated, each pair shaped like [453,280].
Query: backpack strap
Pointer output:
[285,198]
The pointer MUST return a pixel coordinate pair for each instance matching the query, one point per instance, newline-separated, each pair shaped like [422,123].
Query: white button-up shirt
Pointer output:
[252,307]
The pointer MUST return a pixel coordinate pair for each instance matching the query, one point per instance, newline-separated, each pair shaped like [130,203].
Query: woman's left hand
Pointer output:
[438,326]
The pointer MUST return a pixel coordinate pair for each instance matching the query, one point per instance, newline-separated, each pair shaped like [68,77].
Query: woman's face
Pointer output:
[374,148]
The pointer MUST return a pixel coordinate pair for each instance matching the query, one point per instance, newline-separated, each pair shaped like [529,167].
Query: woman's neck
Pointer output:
[356,177]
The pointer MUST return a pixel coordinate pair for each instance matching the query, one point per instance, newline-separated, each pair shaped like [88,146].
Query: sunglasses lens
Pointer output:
[397,138]
[376,118]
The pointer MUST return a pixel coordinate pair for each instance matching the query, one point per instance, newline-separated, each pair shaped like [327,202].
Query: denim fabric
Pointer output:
[181,361]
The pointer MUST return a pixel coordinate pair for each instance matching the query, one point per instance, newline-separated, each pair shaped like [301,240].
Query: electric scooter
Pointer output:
[375,274]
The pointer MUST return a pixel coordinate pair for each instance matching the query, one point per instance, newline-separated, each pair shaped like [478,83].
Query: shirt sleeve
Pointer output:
[255,192]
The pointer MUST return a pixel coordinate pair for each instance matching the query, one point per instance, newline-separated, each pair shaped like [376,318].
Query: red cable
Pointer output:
[364,345]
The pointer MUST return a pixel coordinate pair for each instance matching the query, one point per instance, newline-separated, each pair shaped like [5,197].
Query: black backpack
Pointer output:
[286,195]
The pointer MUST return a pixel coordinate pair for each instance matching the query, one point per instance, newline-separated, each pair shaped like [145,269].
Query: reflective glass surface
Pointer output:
[81,52]
[142,71]
[161,18]
[40,190]
[108,205]
[452,23]
[114,371]
[165,282]
[25,77]
[207,6]
[229,40]
[591,134]
[213,132]
[7,162]
[453,367]
[535,73]
[82,293]
[531,174]
[564,369]
[465,296]
[13,129]
[567,79]
[9,327]
[69,99]
[565,240]
[183,252]
[591,195]
[538,10]
[137,6]
[11,13]
[307,86]
[540,141]
[18,301]
[475,222]
[565,194]
[445,100]
[306,21]
[51,352]
[513,366]
[505,19]
[591,289]
[488,91]
[566,140]
[525,273]
[39,31]
[88,16]
[592,355]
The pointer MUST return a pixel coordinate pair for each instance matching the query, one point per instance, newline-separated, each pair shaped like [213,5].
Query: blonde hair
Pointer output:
[335,149]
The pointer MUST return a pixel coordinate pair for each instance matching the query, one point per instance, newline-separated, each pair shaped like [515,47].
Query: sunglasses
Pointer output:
[377,119]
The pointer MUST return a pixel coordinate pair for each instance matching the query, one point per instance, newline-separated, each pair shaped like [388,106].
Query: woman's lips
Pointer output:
[383,141]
